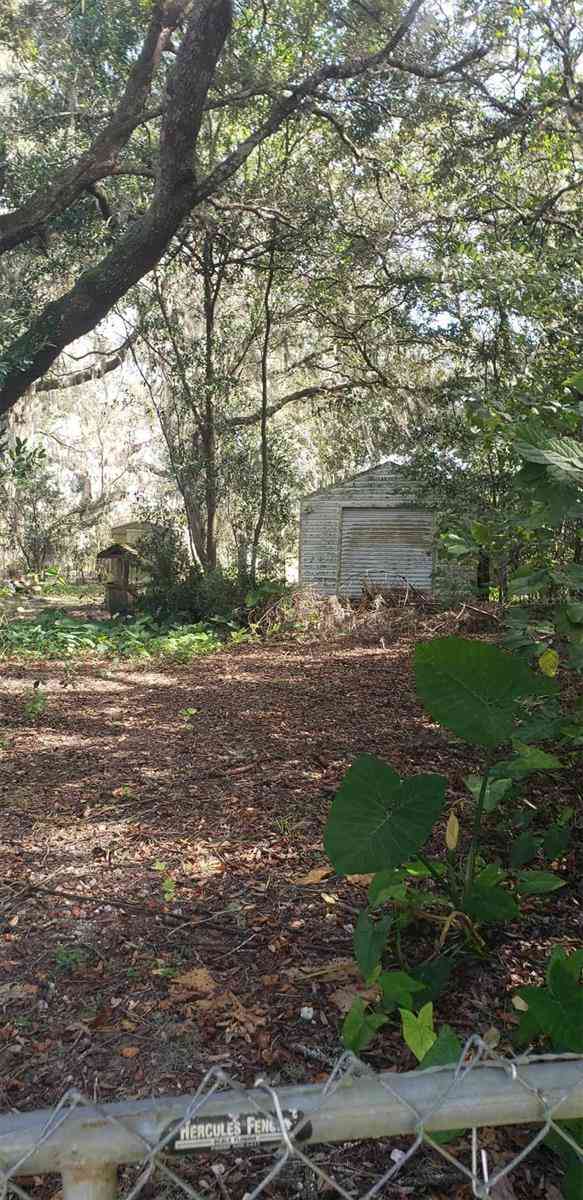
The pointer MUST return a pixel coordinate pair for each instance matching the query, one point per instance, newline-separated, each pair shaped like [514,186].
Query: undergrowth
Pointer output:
[54,635]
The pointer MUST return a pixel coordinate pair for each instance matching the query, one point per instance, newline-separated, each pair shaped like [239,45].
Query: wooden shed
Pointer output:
[367,530]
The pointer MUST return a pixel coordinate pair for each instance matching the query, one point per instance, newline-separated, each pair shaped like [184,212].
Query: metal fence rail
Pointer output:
[86,1142]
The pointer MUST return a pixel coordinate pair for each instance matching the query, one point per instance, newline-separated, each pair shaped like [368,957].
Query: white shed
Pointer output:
[367,529]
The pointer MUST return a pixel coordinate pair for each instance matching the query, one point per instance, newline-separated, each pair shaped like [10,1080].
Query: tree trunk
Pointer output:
[138,250]
[483,576]
[264,400]
[242,562]
[210,296]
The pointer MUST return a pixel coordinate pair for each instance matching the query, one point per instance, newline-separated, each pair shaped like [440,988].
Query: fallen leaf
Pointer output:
[316,875]
[16,991]
[196,980]
[361,880]
[129,1051]
[344,997]
[102,1017]
[240,1021]
[491,1037]
[339,968]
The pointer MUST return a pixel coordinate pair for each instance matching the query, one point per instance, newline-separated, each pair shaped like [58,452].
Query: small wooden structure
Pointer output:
[368,530]
[125,568]
[123,576]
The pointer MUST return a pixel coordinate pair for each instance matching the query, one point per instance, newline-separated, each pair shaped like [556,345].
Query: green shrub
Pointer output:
[196,597]
[380,823]
[553,1014]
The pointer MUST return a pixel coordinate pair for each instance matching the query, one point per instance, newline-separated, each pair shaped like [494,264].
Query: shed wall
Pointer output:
[329,518]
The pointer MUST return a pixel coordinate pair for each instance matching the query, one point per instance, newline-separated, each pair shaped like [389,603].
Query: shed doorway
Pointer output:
[385,546]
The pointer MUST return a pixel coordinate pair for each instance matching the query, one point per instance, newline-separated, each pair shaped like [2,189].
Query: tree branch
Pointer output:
[100,159]
[306,393]
[95,371]
[176,192]
[144,242]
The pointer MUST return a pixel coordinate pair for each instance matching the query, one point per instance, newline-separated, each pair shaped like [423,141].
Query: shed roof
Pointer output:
[398,468]
[118,550]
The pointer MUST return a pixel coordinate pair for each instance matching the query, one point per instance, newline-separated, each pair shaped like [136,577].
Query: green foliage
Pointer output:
[360,1026]
[54,635]
[472,688]
[418,1030]
[553,1014]
[381,823]
[490,904]
[163,549]
[370,939]
[188,714]
[68,957]
[398,990]
[167,882]
[378,820]
[555,1010]
[195,597]
[495,790]
[37,703]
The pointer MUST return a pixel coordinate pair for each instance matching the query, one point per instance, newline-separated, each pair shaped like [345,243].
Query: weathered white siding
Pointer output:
[368,528]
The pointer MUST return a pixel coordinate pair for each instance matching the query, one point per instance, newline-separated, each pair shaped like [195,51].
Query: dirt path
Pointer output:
[117,778]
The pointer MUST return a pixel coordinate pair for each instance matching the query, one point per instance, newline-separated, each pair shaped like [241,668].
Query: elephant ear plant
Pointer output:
[380,824]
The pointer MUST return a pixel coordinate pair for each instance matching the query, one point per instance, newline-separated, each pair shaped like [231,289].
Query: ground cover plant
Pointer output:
[53,634]
[380,823]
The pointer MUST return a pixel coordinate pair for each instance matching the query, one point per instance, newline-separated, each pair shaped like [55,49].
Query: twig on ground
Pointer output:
[99,901]
[312,1052]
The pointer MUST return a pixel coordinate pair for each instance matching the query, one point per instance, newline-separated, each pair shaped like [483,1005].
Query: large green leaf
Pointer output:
[387,885]
[538,883]
[527,581]
[561,1022]
[490,905]
[472,687]
[563,457]
[378,820]
[398,989]
[434,975]
[370,939]
[496,790]
[563,976]
[536,759]
[556,841]
[524,849]
[572,1181]
[360,1026]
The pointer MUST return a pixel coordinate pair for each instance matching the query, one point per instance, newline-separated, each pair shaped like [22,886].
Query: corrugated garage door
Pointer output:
[386,546]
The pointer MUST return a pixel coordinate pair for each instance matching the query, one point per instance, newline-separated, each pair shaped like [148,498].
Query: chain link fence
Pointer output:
[241,1142]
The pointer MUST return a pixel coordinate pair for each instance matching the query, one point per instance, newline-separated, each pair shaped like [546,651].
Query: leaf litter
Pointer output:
[126,979]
